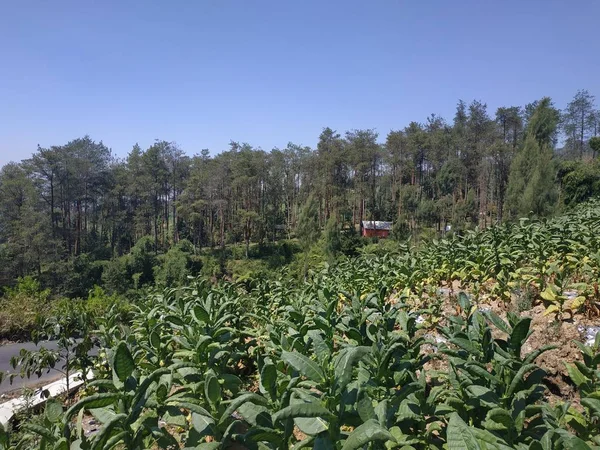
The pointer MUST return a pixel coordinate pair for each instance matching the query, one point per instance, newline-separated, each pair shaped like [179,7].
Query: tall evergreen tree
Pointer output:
[531,185]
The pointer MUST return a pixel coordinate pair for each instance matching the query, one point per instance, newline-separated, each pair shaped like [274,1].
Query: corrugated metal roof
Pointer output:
[376,225]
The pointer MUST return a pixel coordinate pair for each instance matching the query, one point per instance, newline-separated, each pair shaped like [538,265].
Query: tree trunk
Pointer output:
[52,220]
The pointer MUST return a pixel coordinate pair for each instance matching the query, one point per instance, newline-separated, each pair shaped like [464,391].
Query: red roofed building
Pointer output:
[375,228]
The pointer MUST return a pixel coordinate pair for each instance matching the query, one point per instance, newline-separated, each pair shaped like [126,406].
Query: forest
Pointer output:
[74,216]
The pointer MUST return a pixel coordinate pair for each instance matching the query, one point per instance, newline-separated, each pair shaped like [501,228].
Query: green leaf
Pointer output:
[302,410]
[477,370]
[123,364]
[365,408]
[155,339]
[459,435]
[3,437]
[311,426]
[40,430]
[381,411]
[367,432]
[593,404]
[498,419]
[464,302]
[485,395]
[520,333]
[212,389]
[320,346]
[408,410]
[345,362]
[531,357]
[465,344]
[498,322]
[306,366]
[174,416]
[114,440]
[200,314]
[189,405]
[571,442]
[268,380]
[79,426]
[93,401]
[175,321]
[61,444]
[237,402]
[518,378]
[575,374]
[264,434]
[106,432]
[53,411]
[208,446]
[202,423]
[585,350]
[255,415]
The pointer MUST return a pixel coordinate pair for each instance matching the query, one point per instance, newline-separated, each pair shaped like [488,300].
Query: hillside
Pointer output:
[470,342]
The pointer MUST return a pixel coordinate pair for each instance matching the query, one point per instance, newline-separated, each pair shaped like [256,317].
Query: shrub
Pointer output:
[81,274]
[246,269]
[20,308]
[99,303]
[382,247]
[211,266]
[173,270]
[117,275]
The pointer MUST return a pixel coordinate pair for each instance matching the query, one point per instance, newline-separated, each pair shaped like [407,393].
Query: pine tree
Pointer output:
[308,231]
[333,241]
[531,186]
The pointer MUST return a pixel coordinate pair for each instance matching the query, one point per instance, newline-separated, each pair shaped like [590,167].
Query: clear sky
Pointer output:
[204,72]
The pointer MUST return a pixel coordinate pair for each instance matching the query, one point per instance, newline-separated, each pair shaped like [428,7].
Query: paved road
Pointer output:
[10,350]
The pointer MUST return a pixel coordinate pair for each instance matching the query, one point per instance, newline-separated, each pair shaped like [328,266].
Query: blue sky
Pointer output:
[202,73]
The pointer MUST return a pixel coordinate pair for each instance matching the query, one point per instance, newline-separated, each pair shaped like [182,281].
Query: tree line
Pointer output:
[475,170]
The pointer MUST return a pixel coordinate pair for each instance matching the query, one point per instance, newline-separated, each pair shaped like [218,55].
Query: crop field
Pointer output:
[484,341]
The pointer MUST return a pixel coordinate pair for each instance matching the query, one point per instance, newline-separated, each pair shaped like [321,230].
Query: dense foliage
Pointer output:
[74,216]
[341,358]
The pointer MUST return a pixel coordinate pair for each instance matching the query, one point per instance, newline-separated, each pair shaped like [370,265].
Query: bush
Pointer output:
[382,247]
[173,268]
[351,242]
[82,274]
[117,275]
[313,260]
[99,303]
[20,308]
[212,267]
[277,254]
[247,269]
[580,180]
[186,246]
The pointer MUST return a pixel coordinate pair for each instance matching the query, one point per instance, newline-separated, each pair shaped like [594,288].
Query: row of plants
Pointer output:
[335,370]
[557,258]
[344,360]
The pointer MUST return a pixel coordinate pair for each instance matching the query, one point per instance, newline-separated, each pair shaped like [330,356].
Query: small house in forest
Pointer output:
[375,228]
